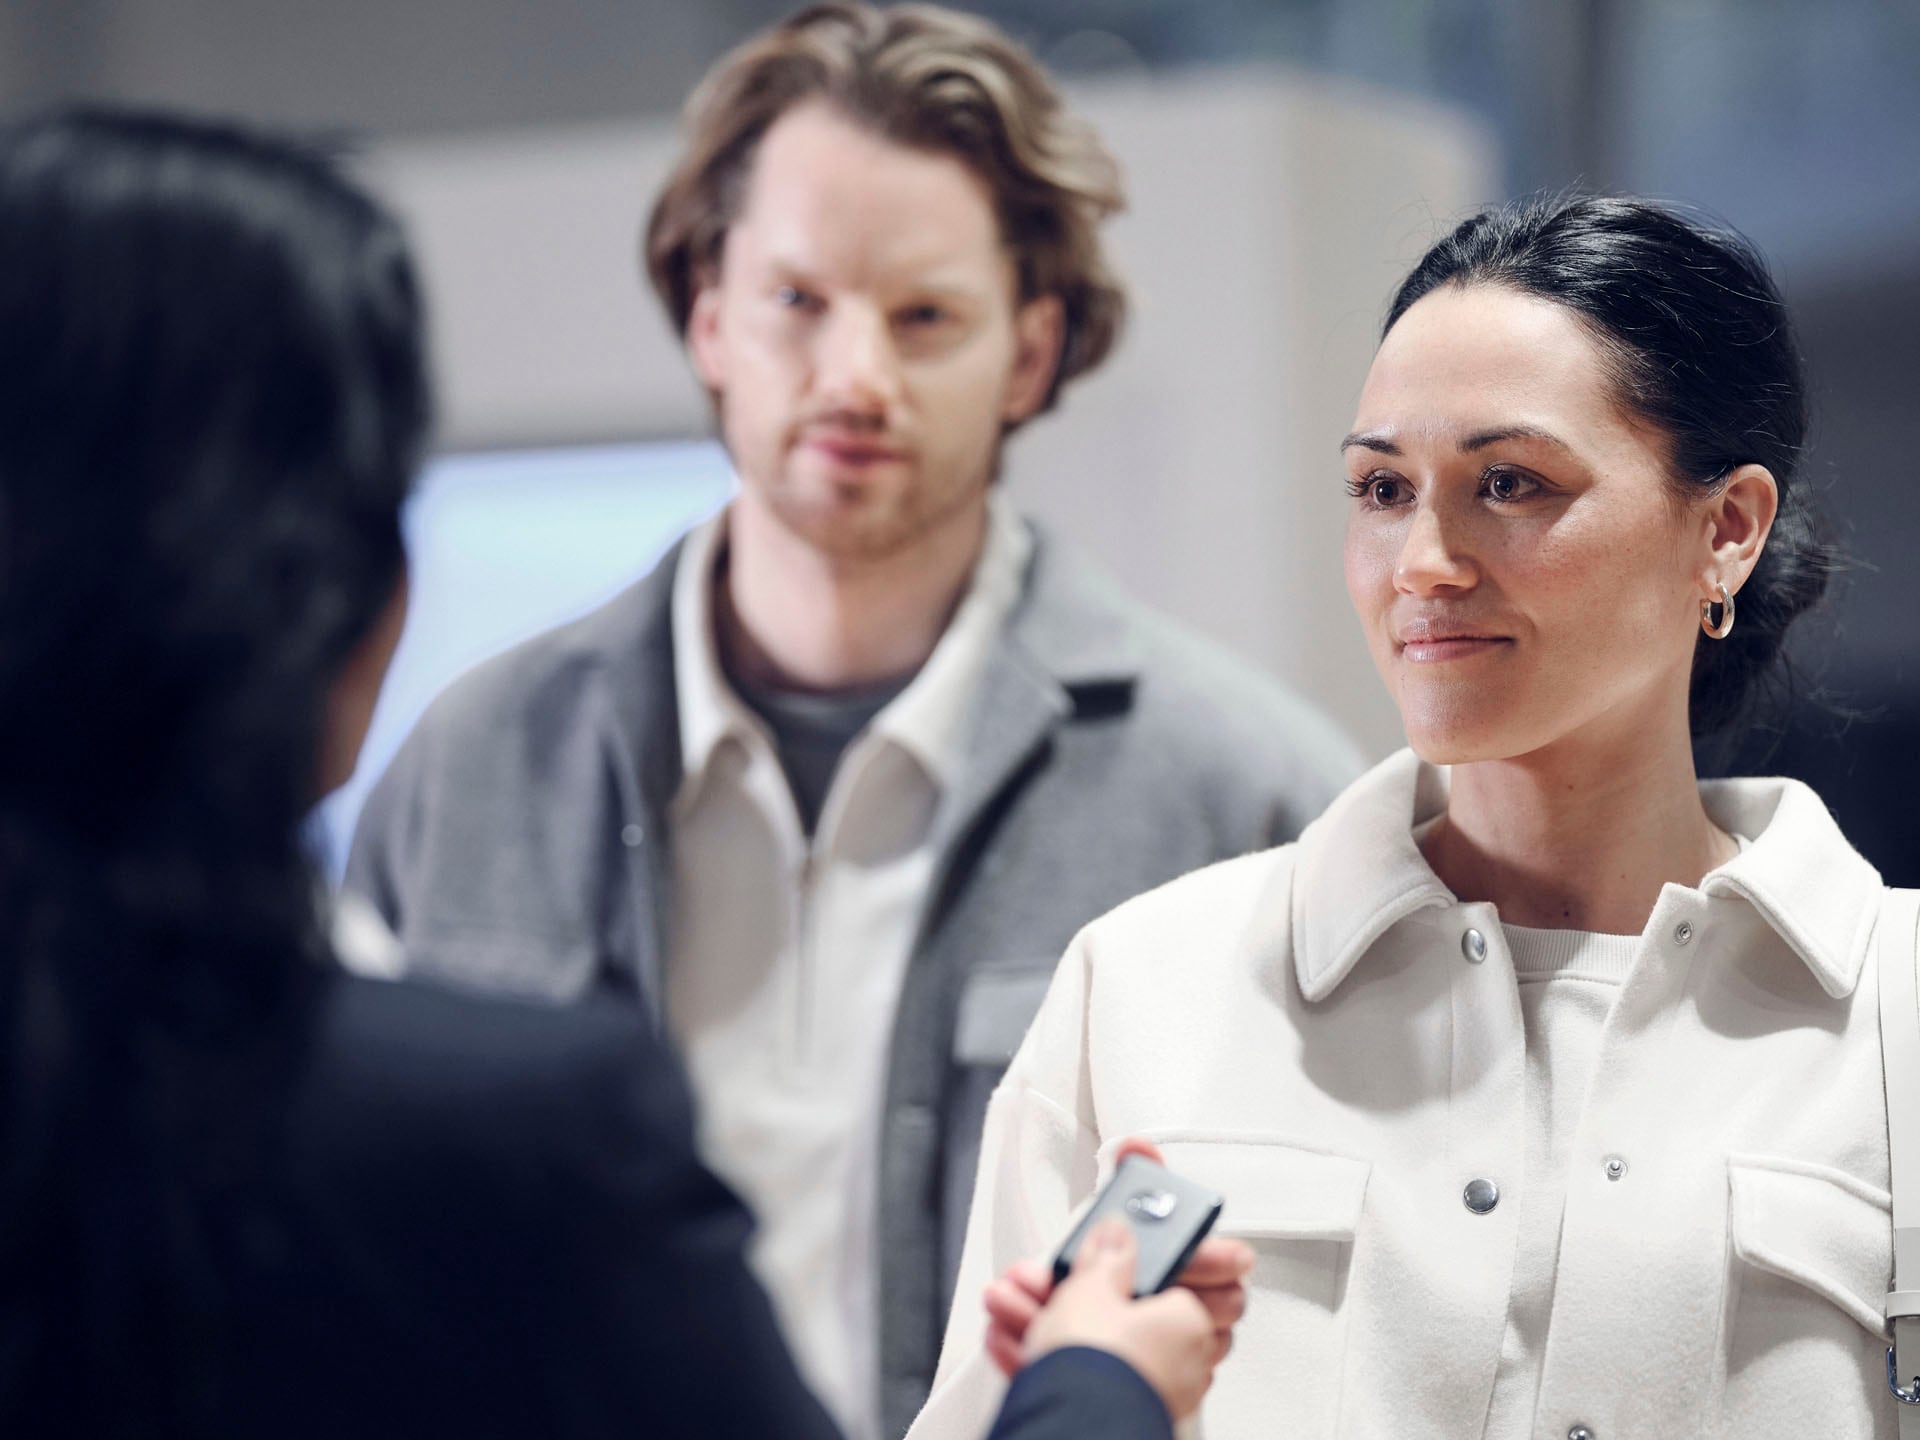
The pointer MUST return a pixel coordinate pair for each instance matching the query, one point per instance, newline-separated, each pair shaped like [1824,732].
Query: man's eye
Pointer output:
[793,297]
[921,316]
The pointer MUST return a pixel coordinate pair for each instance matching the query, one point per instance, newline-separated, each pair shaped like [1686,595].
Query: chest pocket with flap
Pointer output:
[996,1007]
[1812,1250]
[1300,1210]
[1820,1229]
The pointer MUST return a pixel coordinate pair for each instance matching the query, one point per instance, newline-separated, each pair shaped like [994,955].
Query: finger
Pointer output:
[1004,1352]
[1010,1307]
[1107,1256]
[1134,1145]
[1217,1261]
[1233,1294]
[1035,1277]
[1226,1304]
[1178,1310]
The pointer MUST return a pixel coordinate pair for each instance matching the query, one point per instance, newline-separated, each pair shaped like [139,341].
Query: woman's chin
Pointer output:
[1454,741]
[1457,724]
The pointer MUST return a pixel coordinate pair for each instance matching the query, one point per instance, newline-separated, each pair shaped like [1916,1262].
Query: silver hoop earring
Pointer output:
[1725,626]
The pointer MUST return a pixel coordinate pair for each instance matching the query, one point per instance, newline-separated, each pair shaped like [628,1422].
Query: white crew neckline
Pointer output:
[1554,954]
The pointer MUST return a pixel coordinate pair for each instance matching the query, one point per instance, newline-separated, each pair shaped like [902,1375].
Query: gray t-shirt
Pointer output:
[811,731]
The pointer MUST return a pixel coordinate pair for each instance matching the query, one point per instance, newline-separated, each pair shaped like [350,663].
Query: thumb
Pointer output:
[1107,1256]
[1134,1145]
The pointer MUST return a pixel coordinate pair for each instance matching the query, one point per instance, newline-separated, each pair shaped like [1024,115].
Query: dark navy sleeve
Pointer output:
[513,1235]
[657,1326]
[1078,1392]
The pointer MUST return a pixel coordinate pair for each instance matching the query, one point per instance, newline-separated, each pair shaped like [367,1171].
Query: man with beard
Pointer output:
[834,786]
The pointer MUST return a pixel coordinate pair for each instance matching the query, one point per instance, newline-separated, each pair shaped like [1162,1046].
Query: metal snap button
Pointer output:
[631,836]
[1682,933]
[1580,1432]
[1480,1196]
[1616,1167]
[1473,945]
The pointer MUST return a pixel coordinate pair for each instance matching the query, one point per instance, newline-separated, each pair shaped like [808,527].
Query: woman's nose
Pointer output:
[1433,556]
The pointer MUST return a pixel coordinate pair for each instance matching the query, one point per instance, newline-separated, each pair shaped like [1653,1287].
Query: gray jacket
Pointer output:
[519,844]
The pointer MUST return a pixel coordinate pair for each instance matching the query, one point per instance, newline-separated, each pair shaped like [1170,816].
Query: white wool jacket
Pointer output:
[1325,1035]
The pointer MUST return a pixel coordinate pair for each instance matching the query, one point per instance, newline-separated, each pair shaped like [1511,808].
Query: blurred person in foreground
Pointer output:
[834,784]
[1545,1079]
[242,1193]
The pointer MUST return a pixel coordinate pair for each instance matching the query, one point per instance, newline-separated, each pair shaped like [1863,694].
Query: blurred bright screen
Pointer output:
[504,546]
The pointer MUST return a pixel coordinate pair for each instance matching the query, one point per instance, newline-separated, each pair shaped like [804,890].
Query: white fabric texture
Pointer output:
[1568,982]
[1308,1031]
[785,958]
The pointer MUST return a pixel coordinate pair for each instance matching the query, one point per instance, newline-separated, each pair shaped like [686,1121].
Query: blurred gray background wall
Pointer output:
[1351,130]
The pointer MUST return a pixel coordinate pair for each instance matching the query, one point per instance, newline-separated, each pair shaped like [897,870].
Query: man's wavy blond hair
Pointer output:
[925,77]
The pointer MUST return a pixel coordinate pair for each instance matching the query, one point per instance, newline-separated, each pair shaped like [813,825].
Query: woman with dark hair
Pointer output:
[1544,1079]
[242,1194]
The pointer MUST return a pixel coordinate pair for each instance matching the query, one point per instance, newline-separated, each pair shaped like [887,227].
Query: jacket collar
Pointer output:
[1066,646]
[928,719]
[1807,882]
[1358,873]
[630,640]
[1071,634]
[1072,624]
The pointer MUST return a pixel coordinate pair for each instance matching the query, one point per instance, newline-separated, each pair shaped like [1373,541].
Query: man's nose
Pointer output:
[858,365]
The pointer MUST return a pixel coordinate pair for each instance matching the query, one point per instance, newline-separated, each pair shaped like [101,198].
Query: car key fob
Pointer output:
[1169,1217]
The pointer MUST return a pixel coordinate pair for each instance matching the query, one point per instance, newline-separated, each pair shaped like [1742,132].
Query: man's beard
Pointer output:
[882,532]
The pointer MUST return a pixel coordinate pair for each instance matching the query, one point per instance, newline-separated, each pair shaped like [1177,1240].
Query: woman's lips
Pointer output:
[1458,647]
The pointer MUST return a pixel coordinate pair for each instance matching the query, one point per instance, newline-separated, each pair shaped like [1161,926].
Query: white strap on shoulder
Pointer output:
[1900,1050]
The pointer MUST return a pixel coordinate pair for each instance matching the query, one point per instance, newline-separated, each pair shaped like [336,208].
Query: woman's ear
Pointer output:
[355,689]
[1738,519]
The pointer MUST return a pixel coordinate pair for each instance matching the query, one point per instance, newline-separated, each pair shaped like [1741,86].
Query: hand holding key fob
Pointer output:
[1169,1217]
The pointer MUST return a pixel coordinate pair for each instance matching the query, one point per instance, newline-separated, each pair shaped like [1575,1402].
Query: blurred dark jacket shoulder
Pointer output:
[440,1215]
[432,1215]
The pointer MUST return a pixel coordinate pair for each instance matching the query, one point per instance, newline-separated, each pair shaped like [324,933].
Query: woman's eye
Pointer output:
[1379,490]
[1509,484]
[922,316]
[793,297]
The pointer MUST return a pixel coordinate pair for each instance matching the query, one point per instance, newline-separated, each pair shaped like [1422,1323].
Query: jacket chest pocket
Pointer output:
[997,1005]
[1300,1210]
[1811,1250]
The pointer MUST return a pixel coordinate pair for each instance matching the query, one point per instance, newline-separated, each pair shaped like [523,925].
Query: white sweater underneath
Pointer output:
[1568,980]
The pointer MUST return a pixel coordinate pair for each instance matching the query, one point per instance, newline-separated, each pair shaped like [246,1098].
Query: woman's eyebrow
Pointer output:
[1480,439]
[1378,441]
[1369,440]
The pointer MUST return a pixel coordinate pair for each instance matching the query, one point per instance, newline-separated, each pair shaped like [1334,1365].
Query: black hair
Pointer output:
[1701,348]
[213,399]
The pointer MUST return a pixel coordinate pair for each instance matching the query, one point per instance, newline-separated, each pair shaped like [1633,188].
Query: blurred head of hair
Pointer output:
[927,78]
[212,401]
[1700,348]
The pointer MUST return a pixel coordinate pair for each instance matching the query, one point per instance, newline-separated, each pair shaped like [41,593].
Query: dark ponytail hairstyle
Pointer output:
[1700,347]
[212,402]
